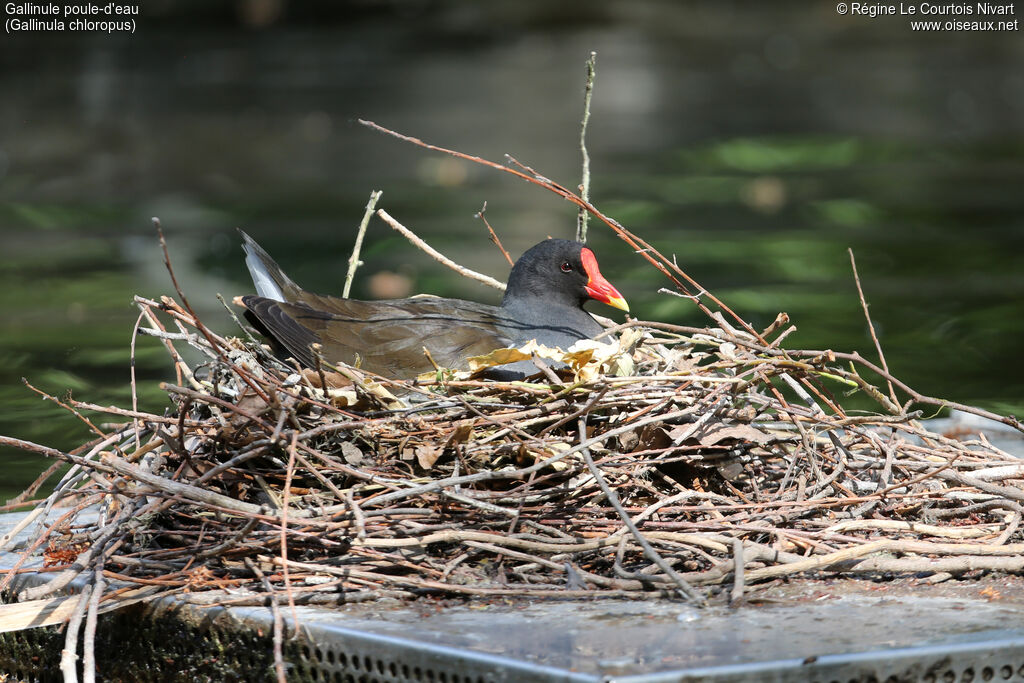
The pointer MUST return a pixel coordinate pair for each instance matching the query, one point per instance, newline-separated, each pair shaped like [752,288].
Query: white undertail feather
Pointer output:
[265,284]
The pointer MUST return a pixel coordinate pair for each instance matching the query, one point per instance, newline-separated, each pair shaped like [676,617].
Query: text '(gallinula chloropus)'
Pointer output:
[544,300]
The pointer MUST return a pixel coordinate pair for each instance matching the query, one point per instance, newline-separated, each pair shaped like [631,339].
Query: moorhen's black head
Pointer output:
[560,272]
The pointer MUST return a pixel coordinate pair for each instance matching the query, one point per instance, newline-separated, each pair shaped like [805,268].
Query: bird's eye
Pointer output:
[566,267]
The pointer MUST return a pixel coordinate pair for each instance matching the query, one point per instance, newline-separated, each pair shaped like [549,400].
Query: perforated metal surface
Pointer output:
[877,638]
[996,661]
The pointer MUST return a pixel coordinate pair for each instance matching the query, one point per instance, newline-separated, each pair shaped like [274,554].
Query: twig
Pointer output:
[916,396]
[201,327]
[69,655]
[436,255]
[285,493]
[278,639]
[684,588]
[494,236]
[736,597]
[582,216]
[353,260]
[871,326]
[89,637]
[134,386]
[66,407]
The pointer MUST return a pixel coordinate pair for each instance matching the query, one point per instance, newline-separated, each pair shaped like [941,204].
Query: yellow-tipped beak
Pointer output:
[618,302]
[597,287]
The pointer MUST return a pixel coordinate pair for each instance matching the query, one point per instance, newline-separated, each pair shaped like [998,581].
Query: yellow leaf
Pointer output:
[496,357]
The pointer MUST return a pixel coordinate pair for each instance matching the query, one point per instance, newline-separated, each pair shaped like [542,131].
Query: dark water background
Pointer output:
[756,141]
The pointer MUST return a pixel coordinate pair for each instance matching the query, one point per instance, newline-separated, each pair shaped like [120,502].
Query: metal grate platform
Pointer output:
[860,638]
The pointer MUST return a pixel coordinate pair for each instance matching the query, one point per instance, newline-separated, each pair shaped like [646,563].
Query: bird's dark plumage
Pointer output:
[544,301]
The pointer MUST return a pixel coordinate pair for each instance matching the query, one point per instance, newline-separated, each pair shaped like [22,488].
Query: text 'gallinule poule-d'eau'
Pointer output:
[544,300]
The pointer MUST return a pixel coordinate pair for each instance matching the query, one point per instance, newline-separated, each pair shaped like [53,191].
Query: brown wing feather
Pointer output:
[387,337]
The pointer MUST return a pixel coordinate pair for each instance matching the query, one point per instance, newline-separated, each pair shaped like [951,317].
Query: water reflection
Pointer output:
[754,142]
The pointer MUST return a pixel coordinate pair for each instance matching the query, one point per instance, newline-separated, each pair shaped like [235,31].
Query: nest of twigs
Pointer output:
[660,461]
[667,463]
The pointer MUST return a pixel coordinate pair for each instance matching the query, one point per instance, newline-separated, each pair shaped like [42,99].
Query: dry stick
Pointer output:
[69,655]
[22,524]
[424,584]
[289,471]
[737,559]
[818,562]
[89,637]
[134,385]
[596,579]
[279,669]
[1010,529]
[436,255]
[1011,492]
[65,406]
[238,537]
[353,260]
[243,375]
[576,414]
[916,396]
[316,348]
[181,369]
[459,536]
[951,565]
[22,498]
[169,486]
[238,323]
[871,325]
[687,591]
[204,397]
[494,235]
[357,514]
[581,219]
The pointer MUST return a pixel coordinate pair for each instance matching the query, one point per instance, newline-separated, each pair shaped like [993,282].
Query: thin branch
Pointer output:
[583,215]
[684,588]
[736,596]
[353,260]
[201,327]
[871,326]
[494,236]
[438,256]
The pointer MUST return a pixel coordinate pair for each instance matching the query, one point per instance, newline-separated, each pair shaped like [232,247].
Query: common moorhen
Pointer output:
[543,301]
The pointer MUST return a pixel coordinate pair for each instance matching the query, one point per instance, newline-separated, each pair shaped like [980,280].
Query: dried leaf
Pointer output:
[463,430]
[587,359]
[730,471]
[727,351]
[343,398]
[652,437]
[628,441]
[251,403]
[496,358]
[351,454]
[709,435]
[427,455]
[335,380]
